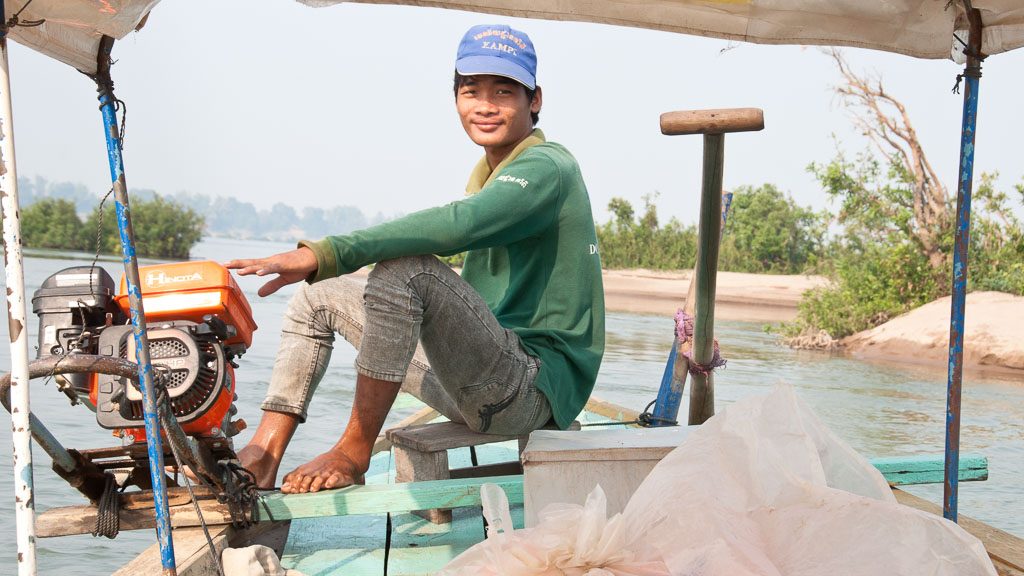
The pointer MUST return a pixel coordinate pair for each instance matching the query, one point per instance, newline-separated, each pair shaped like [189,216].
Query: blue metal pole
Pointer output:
[138,315]
[670,394]
[972,74]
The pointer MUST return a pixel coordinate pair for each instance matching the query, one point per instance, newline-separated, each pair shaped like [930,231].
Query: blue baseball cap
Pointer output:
[499,50]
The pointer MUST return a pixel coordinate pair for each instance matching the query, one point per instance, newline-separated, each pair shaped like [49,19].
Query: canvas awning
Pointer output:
[922,28]
[72,29]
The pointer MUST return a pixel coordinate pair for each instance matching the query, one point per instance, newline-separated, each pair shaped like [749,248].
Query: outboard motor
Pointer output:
[198,323]
[72,305]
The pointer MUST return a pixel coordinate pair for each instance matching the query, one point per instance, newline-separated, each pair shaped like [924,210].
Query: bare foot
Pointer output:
[332,469]
[262,464]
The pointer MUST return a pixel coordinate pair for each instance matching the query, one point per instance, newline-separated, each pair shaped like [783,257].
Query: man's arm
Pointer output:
[519,203]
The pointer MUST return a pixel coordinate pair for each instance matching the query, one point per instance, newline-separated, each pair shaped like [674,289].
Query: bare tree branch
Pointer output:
[885,121]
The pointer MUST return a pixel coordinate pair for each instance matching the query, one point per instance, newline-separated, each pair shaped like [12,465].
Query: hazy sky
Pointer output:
[271,101]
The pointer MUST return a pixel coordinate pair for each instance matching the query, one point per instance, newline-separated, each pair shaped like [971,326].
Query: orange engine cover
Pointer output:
[189,291]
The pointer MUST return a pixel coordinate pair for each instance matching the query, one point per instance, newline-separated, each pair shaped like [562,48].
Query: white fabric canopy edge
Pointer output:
[919,28]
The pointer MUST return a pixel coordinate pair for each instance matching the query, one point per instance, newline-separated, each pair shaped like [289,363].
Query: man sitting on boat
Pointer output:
[510,346]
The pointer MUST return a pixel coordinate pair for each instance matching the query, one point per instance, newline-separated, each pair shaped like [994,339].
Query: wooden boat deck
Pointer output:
[416,546]
[319,543]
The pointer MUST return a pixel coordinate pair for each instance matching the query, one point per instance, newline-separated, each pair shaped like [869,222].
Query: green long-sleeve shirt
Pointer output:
[532,255]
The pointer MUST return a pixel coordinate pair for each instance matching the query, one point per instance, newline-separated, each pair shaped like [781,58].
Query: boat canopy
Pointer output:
[72,29]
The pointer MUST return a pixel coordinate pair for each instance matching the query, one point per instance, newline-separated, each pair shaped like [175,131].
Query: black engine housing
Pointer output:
[189,358]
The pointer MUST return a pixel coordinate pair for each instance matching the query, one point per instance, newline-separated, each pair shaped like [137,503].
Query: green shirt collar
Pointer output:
[482,173]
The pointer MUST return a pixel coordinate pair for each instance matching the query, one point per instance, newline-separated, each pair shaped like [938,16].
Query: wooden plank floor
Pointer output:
[420,548]
[350,545]
[359,544]
[417,546]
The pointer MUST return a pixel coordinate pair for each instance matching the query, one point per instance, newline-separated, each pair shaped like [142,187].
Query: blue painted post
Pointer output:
[666,407]
[138,315]
[972,74]
[670,394]
[726,204]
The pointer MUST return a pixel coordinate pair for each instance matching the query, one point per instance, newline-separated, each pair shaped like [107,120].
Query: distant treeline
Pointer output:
[163,228]
[222,216]
[766,232]
[877,268]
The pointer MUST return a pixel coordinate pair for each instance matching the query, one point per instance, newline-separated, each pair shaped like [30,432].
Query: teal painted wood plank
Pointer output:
[378,499]
[350,545]
[382,498]
[518,516]
[405,402]
[907,470]
[485,454]
[925,463]
[419,547]
[380,468]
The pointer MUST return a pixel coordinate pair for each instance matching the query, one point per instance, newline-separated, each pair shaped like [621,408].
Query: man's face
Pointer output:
[495,112]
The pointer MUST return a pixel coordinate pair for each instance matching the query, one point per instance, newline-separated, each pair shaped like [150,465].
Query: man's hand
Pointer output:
[290,267]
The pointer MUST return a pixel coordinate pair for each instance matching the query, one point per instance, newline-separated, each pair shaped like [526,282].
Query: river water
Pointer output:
[881,410]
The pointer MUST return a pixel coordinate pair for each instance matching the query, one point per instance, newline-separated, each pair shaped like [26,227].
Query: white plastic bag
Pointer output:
[255,560]
[764,489]
[570,539]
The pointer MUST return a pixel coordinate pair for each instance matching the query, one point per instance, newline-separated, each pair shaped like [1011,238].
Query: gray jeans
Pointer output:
[467,366]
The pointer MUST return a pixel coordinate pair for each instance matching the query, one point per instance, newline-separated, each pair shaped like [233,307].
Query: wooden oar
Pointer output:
[713,124]
[673,382]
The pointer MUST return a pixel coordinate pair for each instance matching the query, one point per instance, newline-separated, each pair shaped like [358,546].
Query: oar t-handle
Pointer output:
[712,121]
[713,124]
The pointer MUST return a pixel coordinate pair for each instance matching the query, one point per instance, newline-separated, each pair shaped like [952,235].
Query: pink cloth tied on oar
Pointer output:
[684,333]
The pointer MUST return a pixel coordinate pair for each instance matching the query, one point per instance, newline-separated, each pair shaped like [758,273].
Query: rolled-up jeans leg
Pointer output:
[315,314]
[482,365]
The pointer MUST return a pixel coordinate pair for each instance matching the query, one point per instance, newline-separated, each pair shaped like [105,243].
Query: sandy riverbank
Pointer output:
[993,336]
[753,297]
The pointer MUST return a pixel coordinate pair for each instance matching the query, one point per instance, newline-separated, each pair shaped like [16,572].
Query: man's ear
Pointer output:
[538,100]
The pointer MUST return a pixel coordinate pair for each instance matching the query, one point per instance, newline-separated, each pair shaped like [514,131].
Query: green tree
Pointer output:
[996,260]
[622,210]
[163,228]
[766,231]
[626,242]
[894,250]
[227,215]
[51,223]
[880,268]
[872,283]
